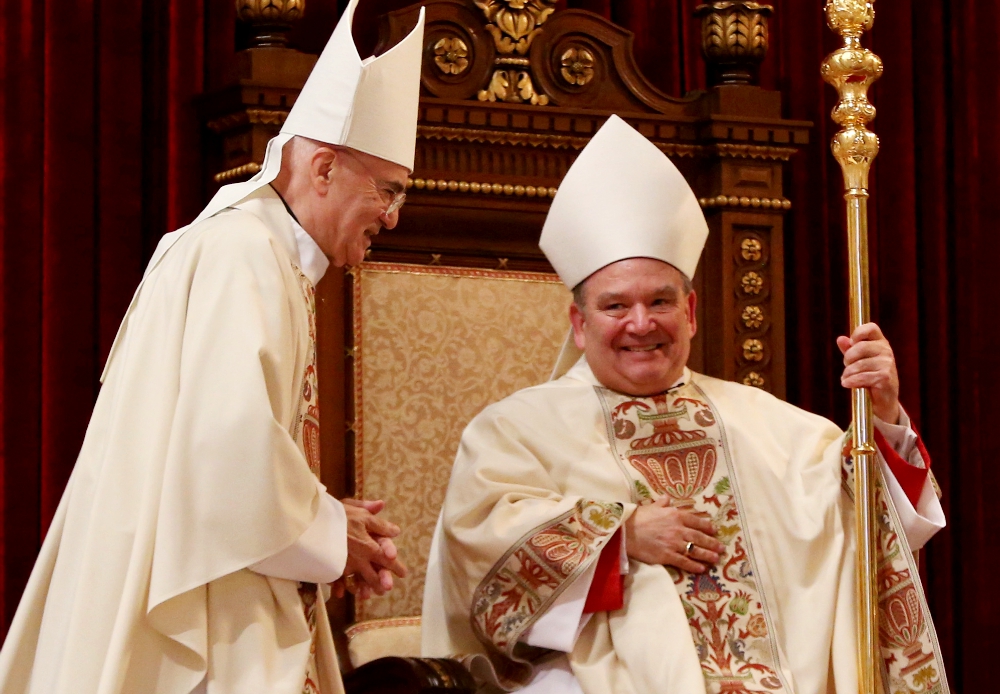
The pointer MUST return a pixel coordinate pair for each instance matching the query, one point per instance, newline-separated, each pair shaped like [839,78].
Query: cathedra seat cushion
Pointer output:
[433,346]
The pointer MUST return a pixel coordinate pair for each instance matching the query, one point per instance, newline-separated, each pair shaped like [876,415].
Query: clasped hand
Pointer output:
[659,534]
[371,554]
[869,363]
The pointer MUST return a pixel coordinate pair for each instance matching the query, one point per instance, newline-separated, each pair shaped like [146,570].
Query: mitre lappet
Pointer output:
[621,198]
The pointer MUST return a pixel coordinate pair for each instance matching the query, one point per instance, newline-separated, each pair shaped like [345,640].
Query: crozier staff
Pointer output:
[186,552]
[632,526]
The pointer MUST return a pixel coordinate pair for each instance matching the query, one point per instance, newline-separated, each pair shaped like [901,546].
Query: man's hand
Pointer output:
[869,363]
[659,534]
[371,554]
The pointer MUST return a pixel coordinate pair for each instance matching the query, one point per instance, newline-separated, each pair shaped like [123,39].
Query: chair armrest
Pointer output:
[410,676]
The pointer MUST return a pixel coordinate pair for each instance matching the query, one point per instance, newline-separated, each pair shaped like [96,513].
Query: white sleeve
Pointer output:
[560,626]
[920,524]
[320,553]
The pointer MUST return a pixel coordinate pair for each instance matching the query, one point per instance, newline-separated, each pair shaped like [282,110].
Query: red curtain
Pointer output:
[100,154]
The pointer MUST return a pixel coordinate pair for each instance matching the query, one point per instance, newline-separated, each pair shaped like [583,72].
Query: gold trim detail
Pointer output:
[451,55]
[751,249]
[754,380]
[752,317]
[752,283]
[387,623]
[236,172]
[496,137]
[733,201]
[753,350]
[502,137]
[739,151]
[480,188]
[251,116]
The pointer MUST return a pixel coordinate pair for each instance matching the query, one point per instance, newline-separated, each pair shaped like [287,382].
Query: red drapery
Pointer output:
[100,155]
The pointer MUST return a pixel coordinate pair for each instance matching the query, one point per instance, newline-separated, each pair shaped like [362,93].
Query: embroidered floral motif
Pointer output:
[673,451]
[507,601]
[306,434]
[307,591]
[910,652]
[307,424]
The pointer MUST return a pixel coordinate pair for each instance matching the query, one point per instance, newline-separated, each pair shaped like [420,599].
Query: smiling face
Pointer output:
[636,325]
[355,193]
[340,196]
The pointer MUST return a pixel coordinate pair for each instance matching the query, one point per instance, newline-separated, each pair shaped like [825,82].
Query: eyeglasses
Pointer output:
[391,199]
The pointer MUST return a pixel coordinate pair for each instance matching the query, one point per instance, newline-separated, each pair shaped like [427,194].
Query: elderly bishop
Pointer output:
[194,543]
[637,528]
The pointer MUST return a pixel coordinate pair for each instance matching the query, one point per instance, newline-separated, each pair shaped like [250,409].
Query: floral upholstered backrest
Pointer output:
[432,346]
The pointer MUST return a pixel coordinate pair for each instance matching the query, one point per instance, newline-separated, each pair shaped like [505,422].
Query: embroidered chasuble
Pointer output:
[198,462]
[307,436]
[545,477]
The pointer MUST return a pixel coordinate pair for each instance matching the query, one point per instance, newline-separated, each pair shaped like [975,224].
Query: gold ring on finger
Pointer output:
[688,548]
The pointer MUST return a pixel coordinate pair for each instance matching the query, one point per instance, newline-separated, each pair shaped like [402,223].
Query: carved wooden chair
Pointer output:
[510,93]
[432,346]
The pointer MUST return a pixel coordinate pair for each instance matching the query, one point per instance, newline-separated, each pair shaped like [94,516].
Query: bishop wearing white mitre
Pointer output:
[187,548]
[633,527]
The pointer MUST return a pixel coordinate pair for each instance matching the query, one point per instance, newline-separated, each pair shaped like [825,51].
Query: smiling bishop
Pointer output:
[634,527]
[194,547]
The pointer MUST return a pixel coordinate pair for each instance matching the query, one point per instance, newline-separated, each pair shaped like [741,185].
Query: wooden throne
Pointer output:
[511,91]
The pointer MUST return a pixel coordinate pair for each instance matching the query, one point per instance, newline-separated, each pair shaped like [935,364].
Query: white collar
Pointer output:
[582,372]
[312,261]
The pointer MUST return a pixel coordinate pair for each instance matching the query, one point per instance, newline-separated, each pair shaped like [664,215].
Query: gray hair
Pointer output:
[580,299]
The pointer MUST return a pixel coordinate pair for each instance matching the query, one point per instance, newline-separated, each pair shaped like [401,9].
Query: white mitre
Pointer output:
[622,198]
[369,105]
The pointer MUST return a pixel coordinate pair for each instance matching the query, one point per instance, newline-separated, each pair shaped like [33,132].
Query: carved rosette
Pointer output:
[577,66]
[269,20]
[733,39]
[451,56]
[751,272]
[514,24]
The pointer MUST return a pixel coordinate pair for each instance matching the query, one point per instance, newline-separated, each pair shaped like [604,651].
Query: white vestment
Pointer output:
[195,468]
[544,478]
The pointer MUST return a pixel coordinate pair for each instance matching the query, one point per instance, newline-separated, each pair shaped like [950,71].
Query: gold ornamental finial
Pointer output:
[850,18]
[852,69]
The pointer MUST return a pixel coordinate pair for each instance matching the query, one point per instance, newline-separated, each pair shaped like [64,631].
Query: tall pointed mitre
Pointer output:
[622,198]
[369,105]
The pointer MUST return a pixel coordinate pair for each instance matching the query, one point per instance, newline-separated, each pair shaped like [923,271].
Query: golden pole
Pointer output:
[851,69]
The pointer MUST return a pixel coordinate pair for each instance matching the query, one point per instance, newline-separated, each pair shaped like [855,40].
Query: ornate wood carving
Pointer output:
[485,172]
[266,79]
[733,39]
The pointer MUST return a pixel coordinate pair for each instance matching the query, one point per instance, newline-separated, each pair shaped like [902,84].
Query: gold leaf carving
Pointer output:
[753,317]
[514,24]
[751,249]
[451,55]
[577,65]
[754,379]
[752,283]
[753,350]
